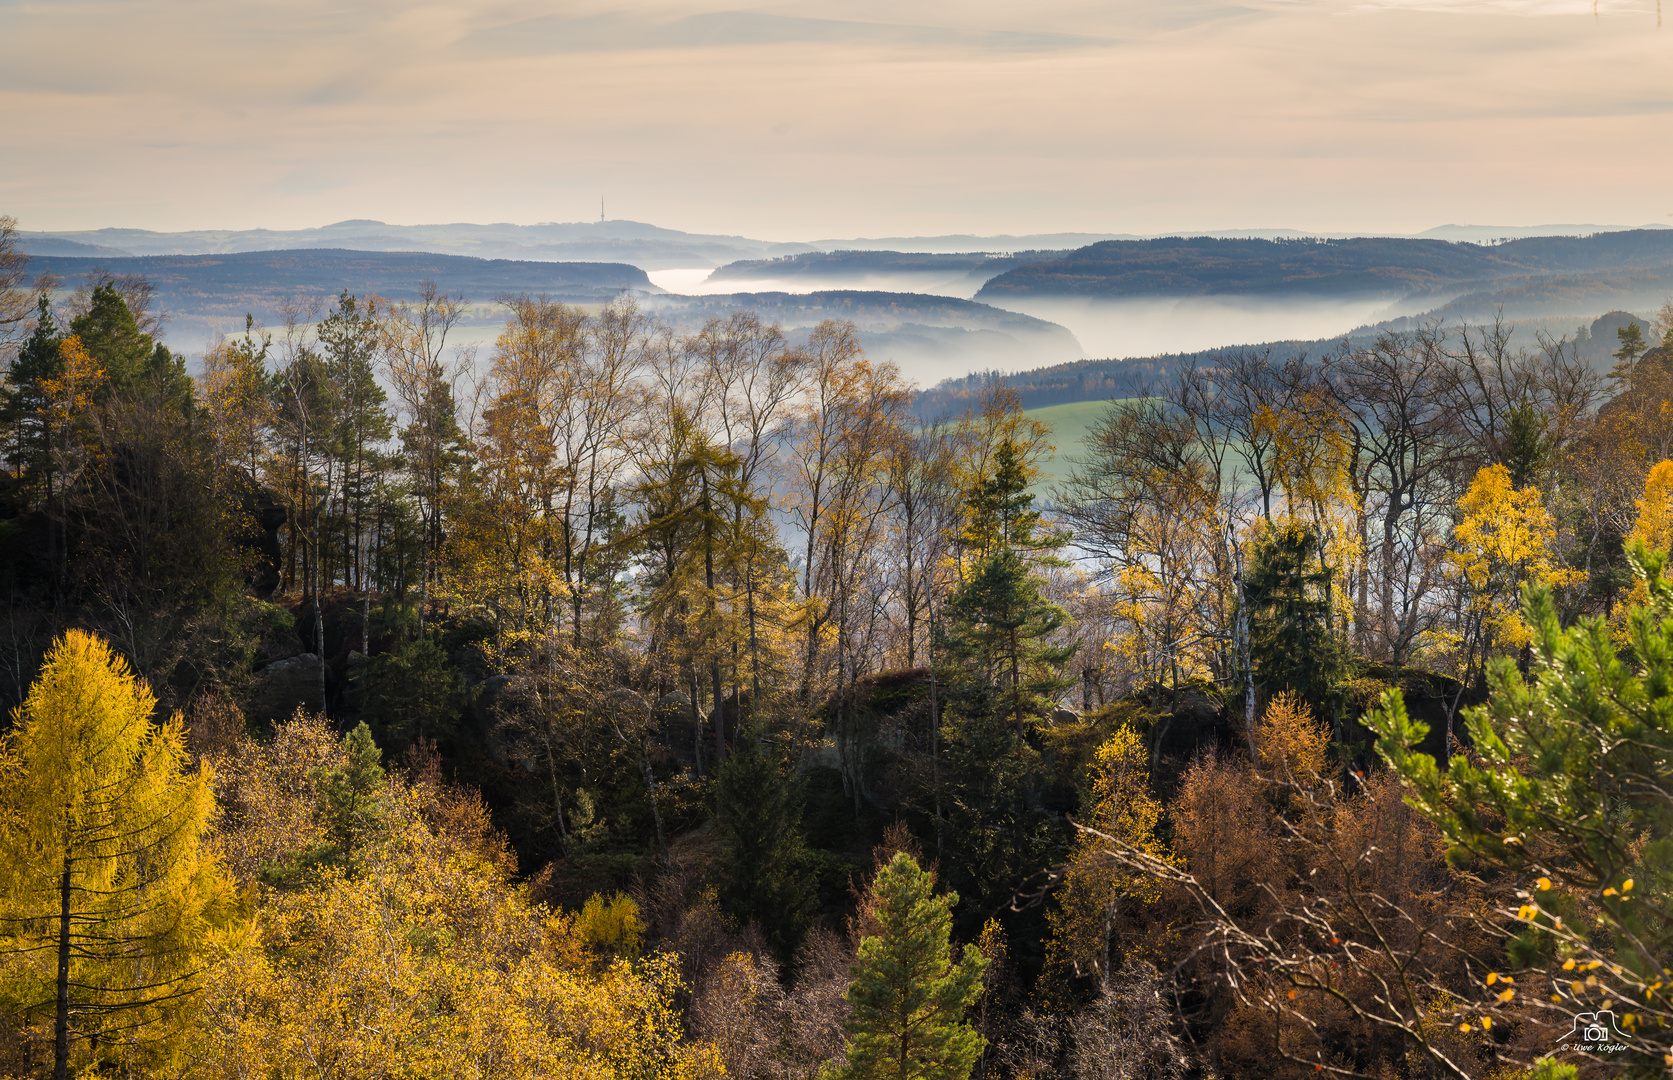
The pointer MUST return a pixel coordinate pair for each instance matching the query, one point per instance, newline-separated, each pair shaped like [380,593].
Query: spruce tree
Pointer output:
[999,622]
[1290,642]
[908,997]
[762,869]
[110,904]
[23,403]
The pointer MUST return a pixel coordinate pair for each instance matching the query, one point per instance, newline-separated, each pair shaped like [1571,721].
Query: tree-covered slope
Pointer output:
[1180,266]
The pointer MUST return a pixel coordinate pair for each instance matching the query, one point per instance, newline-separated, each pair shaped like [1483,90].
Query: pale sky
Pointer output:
[823,119]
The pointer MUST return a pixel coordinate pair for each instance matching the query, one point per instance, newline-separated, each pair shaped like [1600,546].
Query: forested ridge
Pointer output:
[1368,266]
[631,703]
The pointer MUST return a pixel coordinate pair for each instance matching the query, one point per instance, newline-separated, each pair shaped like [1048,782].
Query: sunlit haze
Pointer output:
[818,119]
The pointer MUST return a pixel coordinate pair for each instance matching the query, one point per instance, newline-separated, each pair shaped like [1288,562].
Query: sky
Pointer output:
[809,120]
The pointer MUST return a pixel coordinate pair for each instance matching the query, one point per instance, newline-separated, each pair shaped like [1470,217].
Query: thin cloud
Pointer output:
[1514,7]
[804,118]
[554,34]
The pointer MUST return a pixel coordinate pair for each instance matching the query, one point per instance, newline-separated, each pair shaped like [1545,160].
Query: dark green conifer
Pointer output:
[29,448]
[763,871]
[999,621]
[1290,641]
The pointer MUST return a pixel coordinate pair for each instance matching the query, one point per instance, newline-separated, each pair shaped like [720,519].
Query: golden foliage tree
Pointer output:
[1504,540]
[1655,509]
[1122,807]
[422,956]
[1291,745]
[111,906]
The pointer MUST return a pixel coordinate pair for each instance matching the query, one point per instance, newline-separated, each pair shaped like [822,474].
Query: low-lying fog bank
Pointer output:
[957,283]
[1153,326]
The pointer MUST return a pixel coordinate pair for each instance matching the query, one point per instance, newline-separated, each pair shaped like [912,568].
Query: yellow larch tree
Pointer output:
[421,955]
[1655,509]
[111,905]
[1654,529]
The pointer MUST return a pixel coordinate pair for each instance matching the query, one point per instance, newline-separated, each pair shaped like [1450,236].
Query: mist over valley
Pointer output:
[939,314]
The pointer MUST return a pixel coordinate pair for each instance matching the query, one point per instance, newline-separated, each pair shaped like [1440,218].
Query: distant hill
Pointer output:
[1492,233]
[36,244]
[648,246]
[1534,295]
[205,295]
[1363,266]
[958,274]
[959,243]
[863,263]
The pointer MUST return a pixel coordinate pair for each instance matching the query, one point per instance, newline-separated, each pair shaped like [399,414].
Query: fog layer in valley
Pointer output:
[1151,326]
[697,282]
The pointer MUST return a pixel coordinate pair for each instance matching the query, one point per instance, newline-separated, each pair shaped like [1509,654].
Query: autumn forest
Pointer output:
[616,701]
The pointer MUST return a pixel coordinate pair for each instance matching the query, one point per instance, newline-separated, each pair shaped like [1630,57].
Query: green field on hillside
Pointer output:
[1069,424]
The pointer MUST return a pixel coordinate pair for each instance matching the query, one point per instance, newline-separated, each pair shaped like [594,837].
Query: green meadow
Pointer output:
[1069,425]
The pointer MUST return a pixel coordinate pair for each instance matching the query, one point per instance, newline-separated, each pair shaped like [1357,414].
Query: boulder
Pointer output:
[283,686]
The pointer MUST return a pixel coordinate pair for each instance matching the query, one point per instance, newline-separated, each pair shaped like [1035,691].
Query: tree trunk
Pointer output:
[911,603]
[754,649]
[934,723]
[1247,661]
[696,721]
[714,662]
[557,792]
[61,1016]
[1016,688]
[319,609]
[656,811]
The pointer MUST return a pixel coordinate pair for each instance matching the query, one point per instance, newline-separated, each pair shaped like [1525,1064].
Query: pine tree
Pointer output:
[908,997]
[349,340]
[1566,789]
[1632,347]
[1528,444]
[109,903]
[111,335]
[138,366]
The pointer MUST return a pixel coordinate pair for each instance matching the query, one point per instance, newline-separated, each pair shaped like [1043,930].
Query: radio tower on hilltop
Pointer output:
[601,209]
